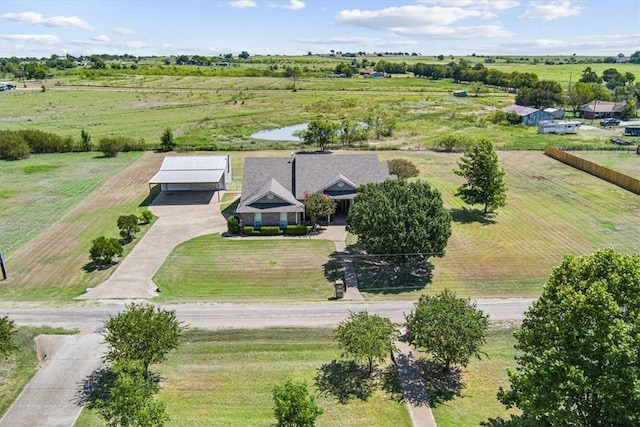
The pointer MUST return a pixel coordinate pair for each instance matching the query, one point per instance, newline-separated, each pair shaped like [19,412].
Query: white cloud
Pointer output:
[126,31]
[37,38]
[607,44]
[291,5]
[101,39]
[356,40]
[553,10]
[34,18]
[476,4]
[242,4]
[426,21]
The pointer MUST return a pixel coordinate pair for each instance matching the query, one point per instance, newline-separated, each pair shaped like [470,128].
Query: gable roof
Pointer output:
[520,110]
[602,106]
[191,169]
[271,187]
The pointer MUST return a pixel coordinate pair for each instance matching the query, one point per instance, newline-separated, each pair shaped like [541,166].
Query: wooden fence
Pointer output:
[617,178]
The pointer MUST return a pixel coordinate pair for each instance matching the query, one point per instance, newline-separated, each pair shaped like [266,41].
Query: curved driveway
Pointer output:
[181,216]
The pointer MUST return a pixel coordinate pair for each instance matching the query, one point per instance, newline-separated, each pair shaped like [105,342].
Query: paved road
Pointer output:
[49,399]
[88,318]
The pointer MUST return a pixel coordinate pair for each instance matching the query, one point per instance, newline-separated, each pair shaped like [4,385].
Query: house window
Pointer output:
[283,220]
[257,220]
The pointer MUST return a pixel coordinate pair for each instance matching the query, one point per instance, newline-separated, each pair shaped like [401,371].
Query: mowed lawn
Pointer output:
[68,200]
[216,268]
[226,377]
[476,400]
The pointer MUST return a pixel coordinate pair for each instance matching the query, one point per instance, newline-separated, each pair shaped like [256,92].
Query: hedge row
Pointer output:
[274,230]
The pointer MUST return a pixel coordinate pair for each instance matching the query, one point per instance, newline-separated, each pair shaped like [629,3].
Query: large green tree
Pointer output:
[167,142]
[365,336]
[452,329]
[7,331]
[318,205]
[124,397]
[403,168]
[579,346]
[320,133]
[294,406]
[400,219]
[485,180]
[142,333]
[545,93]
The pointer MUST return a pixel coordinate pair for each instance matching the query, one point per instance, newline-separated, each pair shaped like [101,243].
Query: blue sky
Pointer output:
[294,27]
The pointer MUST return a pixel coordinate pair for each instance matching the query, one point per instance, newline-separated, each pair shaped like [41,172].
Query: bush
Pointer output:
[146,216]
[42,142]
[233,225]
[296,230]
[266,230]
[12,147]
[103,250]
[453,142]
[110,147]
[128,225]
[130,144]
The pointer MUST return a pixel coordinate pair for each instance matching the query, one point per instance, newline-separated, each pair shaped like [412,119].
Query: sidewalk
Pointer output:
[414,391]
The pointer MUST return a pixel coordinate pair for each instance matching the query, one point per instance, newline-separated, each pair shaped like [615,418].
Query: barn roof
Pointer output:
[520,110]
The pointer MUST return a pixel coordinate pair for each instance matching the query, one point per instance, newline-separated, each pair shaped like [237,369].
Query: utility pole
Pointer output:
[5,276]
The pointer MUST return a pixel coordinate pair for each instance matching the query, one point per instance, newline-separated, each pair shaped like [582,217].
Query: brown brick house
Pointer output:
[273,187]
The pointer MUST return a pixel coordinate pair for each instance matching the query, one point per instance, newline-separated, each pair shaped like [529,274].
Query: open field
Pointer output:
[20,366]
[50,265]
[202,114]
[552,210]
[481,380]
[225,378]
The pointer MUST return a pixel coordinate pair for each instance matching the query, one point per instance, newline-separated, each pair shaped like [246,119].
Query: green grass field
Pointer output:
[37,191]
[218,269]
[225,378]
[481,380]
[627,162]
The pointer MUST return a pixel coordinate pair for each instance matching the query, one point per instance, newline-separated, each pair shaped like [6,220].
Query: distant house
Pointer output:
[460,93]
[600,110]
[193,173]
[273,188]
[560,127]
[530,116]
[377,74]
[558,113]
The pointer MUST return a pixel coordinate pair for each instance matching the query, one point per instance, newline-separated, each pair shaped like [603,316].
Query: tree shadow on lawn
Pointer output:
[97,386]
[381,275]
[390,382]
[344,380]
[440,385]
[469,216]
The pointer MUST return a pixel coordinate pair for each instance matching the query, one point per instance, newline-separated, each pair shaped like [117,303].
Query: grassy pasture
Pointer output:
[202,113]
[225,378]
[77,202]
[627,163]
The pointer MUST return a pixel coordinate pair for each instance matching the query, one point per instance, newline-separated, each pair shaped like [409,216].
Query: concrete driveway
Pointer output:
[181,216]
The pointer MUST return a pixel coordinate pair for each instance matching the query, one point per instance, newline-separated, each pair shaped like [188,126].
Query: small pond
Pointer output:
[281,134]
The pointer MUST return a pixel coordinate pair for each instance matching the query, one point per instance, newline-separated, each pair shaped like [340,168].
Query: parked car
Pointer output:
[609,121]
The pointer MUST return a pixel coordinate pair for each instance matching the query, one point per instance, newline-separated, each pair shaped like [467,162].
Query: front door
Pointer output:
[257,220]
[283,220]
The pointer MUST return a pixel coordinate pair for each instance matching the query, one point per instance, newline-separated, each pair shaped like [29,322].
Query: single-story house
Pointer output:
[193,173]
[600,110]
[530,116]
[273,188]
[558,113]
